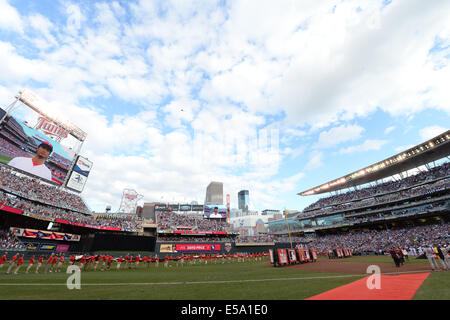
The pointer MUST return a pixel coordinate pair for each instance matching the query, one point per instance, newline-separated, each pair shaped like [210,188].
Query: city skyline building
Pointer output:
[243,200]
[214,193]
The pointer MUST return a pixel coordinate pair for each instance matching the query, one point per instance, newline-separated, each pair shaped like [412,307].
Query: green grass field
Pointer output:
[235,281]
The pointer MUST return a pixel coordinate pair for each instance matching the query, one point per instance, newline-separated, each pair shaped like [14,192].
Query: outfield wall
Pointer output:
[89,243]
[122,242]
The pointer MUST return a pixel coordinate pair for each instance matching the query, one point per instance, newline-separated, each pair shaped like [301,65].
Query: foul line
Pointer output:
[179,282]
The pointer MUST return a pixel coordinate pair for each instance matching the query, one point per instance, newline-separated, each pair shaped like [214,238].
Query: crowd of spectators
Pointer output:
[57,173]
[39,210]
[125,222]
[353,218]
[369,241]
[20,141]
[9,241]
[167,220]
[34,189]
[255,239]
[394,213]
[387,187]
[65,163]
[10,150]
[203,239]
[381,241]
[424,189]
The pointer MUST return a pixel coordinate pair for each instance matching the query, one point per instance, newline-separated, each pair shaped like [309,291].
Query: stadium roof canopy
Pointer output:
[424,153]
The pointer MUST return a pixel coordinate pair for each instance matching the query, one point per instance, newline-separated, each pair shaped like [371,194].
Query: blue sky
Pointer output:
[273,98]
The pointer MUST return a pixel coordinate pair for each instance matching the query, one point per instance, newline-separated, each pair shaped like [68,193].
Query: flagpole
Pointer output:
[287,223]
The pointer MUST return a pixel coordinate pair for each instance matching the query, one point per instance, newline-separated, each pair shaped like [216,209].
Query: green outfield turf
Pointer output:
[435,287]
[234,281]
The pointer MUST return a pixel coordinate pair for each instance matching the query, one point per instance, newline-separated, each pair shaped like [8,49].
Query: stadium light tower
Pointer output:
[129,201]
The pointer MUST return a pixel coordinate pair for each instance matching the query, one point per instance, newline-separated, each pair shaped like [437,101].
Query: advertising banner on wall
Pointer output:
[41,234]
[174,248]
[47,247]
[62,248]
[198,247]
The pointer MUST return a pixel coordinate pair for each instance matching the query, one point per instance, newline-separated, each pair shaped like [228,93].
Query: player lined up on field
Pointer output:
[102,262]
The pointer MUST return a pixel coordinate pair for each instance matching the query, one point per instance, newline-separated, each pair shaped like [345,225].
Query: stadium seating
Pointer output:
[381,241]
[9,241]
[33,189]
[172,221]
[388,190]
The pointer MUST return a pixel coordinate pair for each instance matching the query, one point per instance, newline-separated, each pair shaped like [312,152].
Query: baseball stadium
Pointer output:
[378,233]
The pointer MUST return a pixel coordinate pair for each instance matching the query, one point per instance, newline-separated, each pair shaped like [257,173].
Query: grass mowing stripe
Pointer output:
[184,282]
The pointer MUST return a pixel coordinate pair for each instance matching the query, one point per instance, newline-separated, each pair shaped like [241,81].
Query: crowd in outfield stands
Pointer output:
[202,238]
[33,189]
[48,201]
[9,241]
[391,186]
[171,221]
[254,239]
[45,211]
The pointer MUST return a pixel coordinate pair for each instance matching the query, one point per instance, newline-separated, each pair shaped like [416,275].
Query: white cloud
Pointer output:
[315,160]
[347,67]
[44,40]
[431,132]
[338,135]
[389,129]
[10,18]
[75,19]
[367,145]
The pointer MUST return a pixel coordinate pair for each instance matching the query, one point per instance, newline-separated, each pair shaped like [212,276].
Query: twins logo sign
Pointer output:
[228,247]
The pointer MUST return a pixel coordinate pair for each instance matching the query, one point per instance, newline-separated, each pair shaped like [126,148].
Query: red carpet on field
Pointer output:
[395,287]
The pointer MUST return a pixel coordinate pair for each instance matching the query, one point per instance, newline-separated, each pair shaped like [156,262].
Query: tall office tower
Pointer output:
[214,193]
[243,200]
